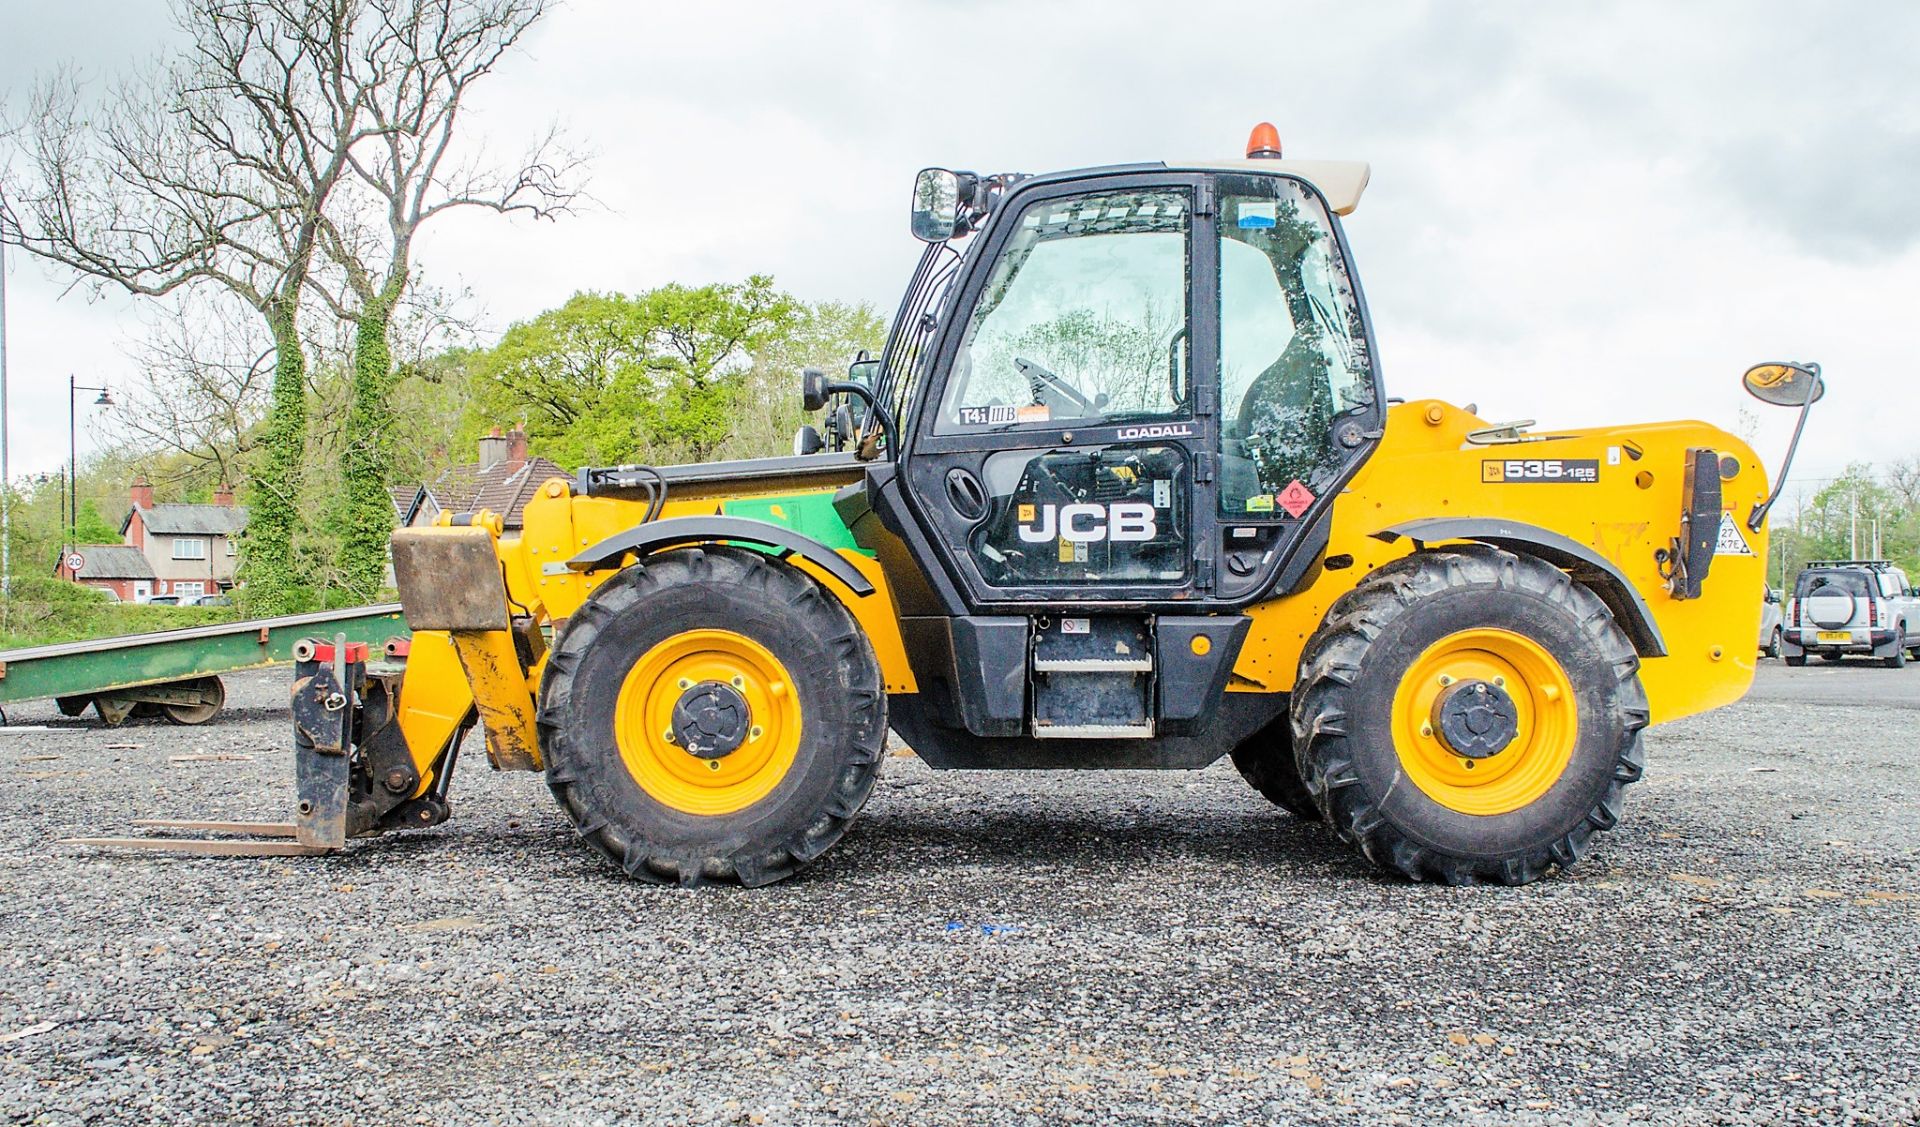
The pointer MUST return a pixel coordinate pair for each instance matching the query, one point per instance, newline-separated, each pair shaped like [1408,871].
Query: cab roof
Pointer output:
[1341,181]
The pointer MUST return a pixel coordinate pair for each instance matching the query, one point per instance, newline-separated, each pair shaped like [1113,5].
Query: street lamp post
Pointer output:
[73,452]
[6,485]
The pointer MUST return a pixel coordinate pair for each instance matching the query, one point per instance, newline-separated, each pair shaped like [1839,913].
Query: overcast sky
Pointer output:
[1580,213]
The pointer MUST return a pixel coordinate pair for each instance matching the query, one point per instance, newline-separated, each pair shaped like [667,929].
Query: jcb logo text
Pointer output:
[1079,524]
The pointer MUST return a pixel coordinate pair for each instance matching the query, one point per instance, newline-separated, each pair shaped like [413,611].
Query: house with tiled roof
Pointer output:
[191,548]
[503,480]
[119,569]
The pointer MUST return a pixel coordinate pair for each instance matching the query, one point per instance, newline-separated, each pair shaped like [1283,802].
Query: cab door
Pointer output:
[1068,456]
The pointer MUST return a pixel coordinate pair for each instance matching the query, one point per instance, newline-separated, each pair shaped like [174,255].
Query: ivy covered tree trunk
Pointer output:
[368,507]
[273,583]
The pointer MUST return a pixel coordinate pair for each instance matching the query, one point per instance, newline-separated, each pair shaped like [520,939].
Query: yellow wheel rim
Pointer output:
[1546,725]
[681,668]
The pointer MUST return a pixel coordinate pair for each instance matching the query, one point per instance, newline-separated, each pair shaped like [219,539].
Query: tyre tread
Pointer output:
[1330,664]
[751,864]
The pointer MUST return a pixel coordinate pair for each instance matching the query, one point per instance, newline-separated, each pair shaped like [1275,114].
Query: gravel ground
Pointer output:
[1012,948]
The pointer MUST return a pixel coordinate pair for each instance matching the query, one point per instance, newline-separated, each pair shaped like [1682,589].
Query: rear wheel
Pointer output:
[1773,644]
[1796,660]
[1469,715]
[1266,760]
[712,715]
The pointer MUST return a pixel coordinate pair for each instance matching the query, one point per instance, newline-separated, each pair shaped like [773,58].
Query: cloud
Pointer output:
[1581,213]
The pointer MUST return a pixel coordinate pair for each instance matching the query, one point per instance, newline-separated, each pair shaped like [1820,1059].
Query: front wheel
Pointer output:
[1773,644]
[1469,715]
[1266,761]
[712,715]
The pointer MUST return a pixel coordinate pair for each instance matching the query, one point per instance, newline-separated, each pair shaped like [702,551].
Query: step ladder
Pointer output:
[1092,677]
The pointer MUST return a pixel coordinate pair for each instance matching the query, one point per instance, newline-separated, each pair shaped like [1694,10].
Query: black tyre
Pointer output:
[1266,760]
[712,714]
[1899,658]
[1773,644]
[1469,715]
[1796,660]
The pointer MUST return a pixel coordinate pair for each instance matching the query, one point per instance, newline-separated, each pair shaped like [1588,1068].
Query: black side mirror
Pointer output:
[813,389]
[807,440]
[936,205]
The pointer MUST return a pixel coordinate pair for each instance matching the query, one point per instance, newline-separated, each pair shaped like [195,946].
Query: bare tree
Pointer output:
[213,171]
[209,380]
[409,68]
[1903,477]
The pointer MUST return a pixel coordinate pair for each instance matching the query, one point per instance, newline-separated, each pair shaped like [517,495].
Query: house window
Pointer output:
[228,541]
[189,548]
[189,588]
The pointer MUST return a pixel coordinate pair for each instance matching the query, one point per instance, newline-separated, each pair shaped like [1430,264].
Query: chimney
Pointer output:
[517,446]
[493,449]
[141,493]
[223,495]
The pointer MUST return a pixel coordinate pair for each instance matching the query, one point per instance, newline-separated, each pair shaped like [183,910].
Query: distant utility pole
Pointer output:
[6,490]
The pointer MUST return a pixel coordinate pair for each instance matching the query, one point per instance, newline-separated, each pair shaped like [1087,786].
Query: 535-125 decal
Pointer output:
[1562,471]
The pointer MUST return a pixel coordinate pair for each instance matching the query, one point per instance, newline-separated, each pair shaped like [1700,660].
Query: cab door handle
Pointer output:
[965,493]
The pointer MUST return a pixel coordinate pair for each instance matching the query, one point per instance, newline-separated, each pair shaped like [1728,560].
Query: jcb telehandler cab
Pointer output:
[1124,490]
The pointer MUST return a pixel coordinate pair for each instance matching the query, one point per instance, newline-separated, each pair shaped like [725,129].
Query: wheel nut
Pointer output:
[713,764]
[1426,731]
[685,684]
[668,736]
[1500,681]
[1445,680]
[756,733]
[739,682]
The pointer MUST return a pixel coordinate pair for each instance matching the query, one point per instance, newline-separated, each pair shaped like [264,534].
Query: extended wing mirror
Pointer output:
[1783,385]
[815,391]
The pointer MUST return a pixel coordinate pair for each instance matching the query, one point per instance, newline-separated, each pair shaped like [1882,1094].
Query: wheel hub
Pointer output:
[1475,719]
[711,720]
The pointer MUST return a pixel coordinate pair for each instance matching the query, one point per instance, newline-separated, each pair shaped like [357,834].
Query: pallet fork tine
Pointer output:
[330,692]
[203,846]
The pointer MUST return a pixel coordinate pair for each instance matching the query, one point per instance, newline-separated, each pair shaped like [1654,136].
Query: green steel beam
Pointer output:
[73,669]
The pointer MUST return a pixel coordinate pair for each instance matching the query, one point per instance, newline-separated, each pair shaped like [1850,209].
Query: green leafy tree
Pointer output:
[702,340]
[89,527]
[658,376]
[826,335]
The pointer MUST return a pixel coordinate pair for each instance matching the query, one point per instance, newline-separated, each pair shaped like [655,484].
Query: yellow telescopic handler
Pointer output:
[1124,490]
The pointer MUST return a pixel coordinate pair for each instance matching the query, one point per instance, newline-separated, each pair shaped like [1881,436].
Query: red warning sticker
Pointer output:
[1295,498]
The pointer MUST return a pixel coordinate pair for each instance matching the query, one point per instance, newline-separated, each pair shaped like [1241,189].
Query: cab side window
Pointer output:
[1084,317]
[1293,350]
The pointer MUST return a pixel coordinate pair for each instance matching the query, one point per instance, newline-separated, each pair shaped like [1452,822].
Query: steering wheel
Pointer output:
[1038,377]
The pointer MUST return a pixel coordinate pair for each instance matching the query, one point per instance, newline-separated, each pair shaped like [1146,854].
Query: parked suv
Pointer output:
[1853,607]
[1771,633]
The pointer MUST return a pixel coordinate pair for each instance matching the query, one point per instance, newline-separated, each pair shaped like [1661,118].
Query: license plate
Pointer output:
[1834,636]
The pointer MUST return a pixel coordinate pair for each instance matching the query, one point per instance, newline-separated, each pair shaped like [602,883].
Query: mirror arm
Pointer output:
[1759,514]
[874,408]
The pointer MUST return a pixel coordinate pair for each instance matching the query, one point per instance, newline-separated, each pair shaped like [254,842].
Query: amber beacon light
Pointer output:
[1264,141]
